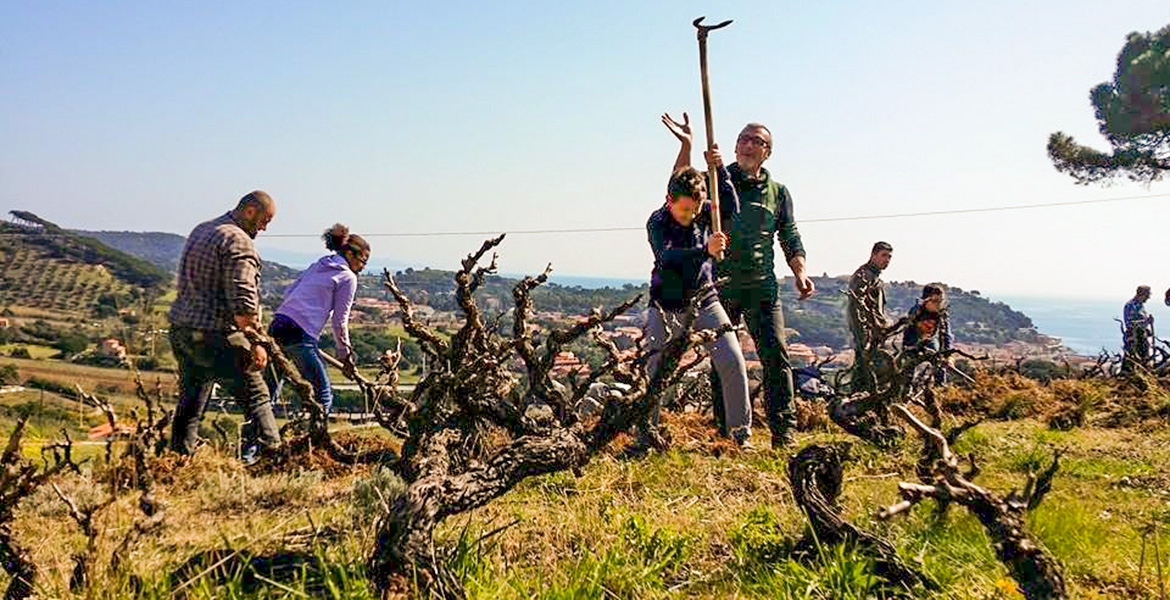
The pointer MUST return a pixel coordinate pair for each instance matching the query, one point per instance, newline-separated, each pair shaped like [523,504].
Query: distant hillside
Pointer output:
[436,288]
[164,249]
[821,319]
[818,321]
[158,248]
[44,266]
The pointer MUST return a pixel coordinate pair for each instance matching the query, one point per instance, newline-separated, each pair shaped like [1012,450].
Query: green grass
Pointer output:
[35,351]
[684,524]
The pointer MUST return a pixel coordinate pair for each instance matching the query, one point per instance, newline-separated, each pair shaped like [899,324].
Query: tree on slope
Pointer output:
[1133,113]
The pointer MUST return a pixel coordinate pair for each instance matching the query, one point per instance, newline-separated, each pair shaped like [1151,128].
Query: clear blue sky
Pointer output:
[416,117]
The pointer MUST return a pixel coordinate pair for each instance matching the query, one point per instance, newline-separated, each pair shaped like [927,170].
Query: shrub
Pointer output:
[42,417]
[1016,405]
[51,386]
[369,494]
[71,343]
[20,352]
[758,539]
[1040,370]
[146,363]
[9,375]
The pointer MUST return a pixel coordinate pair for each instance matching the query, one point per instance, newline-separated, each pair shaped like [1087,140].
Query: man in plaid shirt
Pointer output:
[218,296]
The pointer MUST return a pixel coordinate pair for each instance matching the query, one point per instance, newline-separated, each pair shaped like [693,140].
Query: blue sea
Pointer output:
[1086,326]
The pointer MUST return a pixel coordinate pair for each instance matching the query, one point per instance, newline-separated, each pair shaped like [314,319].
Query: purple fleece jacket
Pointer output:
[327,287]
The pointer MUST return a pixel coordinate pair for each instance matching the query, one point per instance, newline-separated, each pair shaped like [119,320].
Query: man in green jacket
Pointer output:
[867,309]
[752,293]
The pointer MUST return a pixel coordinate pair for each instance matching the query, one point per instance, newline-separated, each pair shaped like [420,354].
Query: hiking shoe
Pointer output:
[250,455]
[783,440]
[742,436]
[636,449]
[746,445]
[277,454]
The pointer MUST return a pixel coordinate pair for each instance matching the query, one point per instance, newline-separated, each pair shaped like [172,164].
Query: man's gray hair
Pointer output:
[754,125]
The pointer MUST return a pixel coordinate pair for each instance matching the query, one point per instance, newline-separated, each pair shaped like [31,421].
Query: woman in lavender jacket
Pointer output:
[324,292]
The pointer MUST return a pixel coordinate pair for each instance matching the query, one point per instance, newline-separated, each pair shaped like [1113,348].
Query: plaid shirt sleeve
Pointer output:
[241,271]
[219,276]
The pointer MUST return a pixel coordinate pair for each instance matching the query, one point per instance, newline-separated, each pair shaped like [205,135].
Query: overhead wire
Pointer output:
[927,213]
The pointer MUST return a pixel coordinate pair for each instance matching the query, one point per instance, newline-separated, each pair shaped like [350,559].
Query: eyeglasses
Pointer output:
[753,140]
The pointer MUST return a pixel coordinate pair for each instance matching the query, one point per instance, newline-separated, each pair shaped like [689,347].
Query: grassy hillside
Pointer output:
[34,277]
[157,248]
[63,244]
[164,250]
[703,520]
[45,267]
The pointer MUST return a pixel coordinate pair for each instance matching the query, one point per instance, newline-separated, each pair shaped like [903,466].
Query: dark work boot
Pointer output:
[783,438]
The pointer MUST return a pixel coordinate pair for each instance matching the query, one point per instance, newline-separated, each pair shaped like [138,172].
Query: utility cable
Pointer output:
[928,213]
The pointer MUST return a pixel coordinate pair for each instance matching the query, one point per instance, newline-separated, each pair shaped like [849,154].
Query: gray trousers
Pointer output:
[206,357]
[726,357]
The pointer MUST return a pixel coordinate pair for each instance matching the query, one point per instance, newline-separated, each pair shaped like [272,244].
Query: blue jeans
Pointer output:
[302,350]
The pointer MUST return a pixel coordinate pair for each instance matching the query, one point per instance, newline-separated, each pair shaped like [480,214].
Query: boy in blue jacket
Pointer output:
[684,250]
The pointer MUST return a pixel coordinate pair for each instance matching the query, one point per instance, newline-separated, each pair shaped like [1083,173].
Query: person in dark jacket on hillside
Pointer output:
[929,325]
[866,314]
[683,244]
[751,293]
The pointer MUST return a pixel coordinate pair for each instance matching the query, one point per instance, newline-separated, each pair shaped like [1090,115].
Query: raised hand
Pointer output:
[682,131]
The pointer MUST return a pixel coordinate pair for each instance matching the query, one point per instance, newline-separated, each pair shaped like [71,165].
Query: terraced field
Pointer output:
[34,279]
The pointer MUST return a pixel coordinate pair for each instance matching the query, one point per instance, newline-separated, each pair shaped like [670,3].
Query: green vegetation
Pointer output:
[974,319]
[683,525]
[700,521]
[63,244]
[817,321]
[1133,112]
[157,248]
[27,351]
[9,374]
[35,278]
[436,288]
[52,269]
